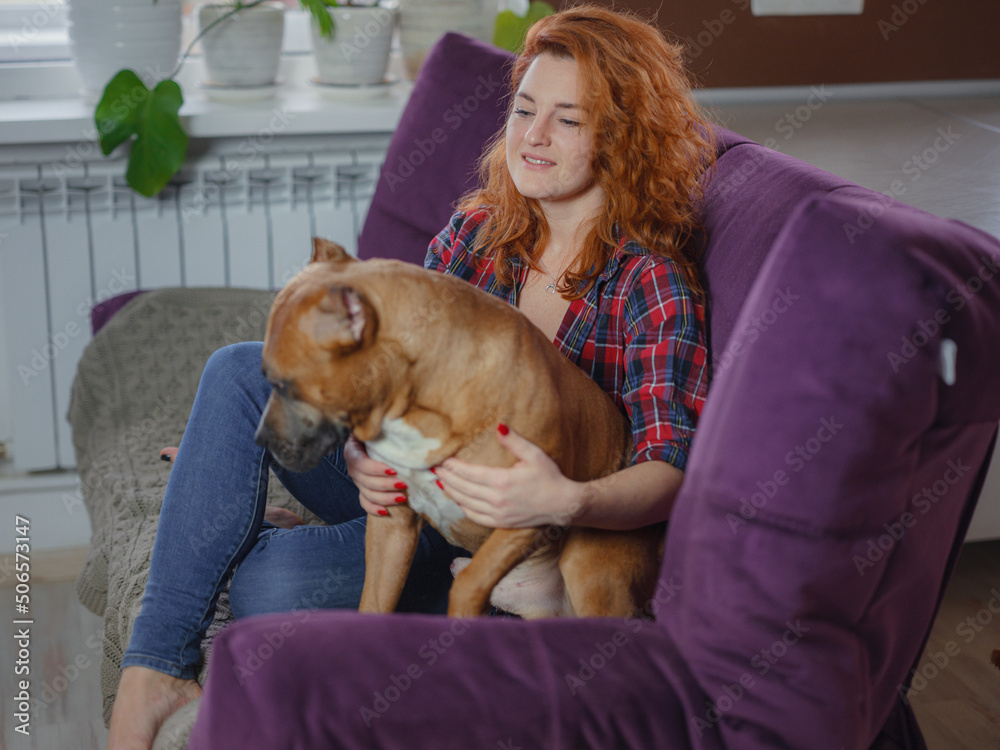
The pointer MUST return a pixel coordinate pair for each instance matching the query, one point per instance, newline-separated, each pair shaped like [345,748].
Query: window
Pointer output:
[36,30]
[806,7]
[33,31]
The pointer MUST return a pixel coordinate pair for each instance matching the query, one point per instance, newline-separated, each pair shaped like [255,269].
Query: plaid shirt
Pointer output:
[639,334]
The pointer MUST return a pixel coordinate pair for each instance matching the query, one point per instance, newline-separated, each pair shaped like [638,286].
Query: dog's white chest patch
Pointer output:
[402,445]
[406,450]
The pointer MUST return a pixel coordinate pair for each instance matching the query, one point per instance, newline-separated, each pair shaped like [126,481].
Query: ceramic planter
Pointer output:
[108,35]
[358,52]
[423,22]
[245,48]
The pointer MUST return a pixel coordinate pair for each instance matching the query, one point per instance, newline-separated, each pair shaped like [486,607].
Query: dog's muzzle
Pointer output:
[297,435]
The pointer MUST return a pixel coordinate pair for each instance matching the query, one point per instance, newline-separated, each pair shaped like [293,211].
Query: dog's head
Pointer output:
[318,356]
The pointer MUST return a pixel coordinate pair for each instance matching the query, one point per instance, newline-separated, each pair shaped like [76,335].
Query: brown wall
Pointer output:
[893,40]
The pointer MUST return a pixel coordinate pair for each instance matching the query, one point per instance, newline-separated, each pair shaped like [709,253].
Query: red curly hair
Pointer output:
[652,148]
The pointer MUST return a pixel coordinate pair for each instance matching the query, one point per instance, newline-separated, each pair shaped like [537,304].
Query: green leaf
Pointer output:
[117,113]
[537,11]
[161,143]
[511,30]
[128,109]
[317,9]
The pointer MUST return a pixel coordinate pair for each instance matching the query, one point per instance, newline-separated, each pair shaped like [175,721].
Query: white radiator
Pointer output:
[72,233]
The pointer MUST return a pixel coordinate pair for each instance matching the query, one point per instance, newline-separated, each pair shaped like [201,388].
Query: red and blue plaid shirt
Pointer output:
[638,333]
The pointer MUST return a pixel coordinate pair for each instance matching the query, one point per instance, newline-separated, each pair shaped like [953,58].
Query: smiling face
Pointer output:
[550,144]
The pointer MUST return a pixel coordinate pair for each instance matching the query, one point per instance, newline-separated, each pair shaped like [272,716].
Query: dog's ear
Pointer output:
[325,251]
[344,320]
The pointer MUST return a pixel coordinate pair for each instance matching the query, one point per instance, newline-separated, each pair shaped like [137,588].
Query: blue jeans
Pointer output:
[212,524]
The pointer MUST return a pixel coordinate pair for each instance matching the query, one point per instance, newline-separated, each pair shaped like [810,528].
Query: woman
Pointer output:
[589,197]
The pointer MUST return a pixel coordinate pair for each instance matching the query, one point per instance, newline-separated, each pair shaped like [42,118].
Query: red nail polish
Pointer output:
[438,482]
[503,429]
[383,512]
[434,470]
[391,472]
[400,499]
[400,485]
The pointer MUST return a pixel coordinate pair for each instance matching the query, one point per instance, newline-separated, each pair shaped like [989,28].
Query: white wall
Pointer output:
[986,522]
[54,508]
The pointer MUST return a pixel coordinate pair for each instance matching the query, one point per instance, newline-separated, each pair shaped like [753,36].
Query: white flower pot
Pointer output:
[423,22]
[109,35]
[358,52]
[245,48]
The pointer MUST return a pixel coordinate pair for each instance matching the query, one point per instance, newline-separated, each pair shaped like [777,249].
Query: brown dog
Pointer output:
[421,366]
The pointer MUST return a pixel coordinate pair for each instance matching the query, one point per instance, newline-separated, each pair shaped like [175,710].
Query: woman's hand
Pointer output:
[532,492]
[377,483]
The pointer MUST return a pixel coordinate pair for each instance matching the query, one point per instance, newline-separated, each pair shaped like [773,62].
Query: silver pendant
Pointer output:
[551,289]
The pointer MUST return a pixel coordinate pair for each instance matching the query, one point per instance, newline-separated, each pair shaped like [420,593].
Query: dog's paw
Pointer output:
[459,564]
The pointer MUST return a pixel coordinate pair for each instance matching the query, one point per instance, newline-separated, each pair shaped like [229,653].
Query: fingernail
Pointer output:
[400,485]
[400,499]
[503,429]
[165,457]
[391,472]
[383,512]
[438,482]
[434,470]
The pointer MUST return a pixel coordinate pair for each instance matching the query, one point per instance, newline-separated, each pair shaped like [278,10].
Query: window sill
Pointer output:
[46,44]
[297,106]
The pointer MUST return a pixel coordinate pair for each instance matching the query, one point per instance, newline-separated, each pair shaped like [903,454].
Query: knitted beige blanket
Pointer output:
[131,397]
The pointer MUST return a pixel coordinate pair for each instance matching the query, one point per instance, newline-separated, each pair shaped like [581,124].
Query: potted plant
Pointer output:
[130,109]
[108,35]
[422,22]
[511,28]
[360,37]
[357,52]
[241,49]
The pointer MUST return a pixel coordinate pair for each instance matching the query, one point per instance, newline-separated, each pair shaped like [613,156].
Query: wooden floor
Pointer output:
[958,703]
[956,692]
[65,666]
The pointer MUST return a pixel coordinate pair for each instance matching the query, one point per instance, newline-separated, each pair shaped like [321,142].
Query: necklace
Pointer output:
[550,288]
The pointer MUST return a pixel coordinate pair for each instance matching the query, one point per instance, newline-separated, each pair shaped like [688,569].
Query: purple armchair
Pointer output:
[844,443]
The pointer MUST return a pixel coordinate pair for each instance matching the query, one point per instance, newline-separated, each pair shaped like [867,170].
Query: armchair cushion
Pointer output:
[828,482]
[750,195]
[458,103]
